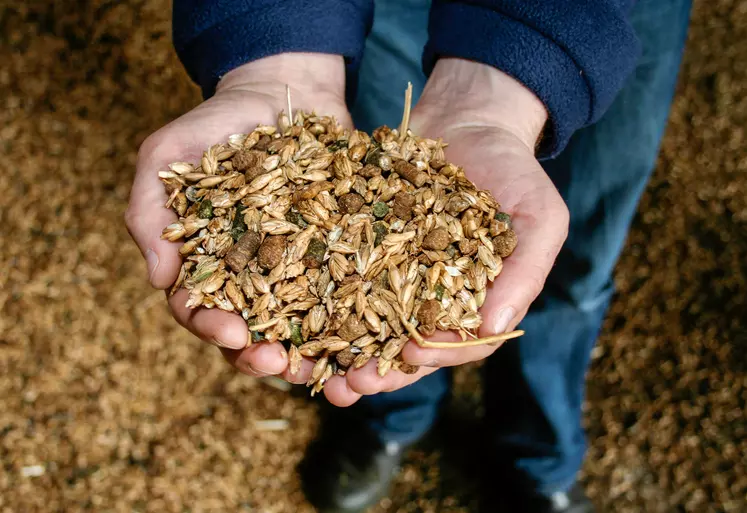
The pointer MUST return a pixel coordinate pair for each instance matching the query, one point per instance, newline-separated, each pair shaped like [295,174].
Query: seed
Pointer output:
[393,347]
[192,225]
[295,360]
[296,218]
[468,247]
[314,255]
[361,360]
[180,204]
[254,172]
[263,143]
[205,211]
[383,367]
[505,243]
[428,312]
[437,239]
[439,290]
[246,159]
[382,134]
[337,145]
[317,317]
[503,217]
[350,203]
[335,344]
[271,251]
[346,357]
[369,171]
[210,181]
[352,328]
[243,251]
[312,348]
[381,230]
[437,164]
[173,232]
[295,336]
[410,173]
[311,191]
[317,371]
[457,204]
[238,228]
[380,209]
[403,204]
[357,152]
[234,295]
[255,336]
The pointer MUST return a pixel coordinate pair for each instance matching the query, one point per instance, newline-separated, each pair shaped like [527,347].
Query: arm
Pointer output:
[574,55]
[213,37]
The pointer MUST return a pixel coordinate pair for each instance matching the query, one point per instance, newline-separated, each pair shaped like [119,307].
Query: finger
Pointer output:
[147,216]
[228,331]
[526,269]
[222,329]
[258,360]
[366,380]
[338,392]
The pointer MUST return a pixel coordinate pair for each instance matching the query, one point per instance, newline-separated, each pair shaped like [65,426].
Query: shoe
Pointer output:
[504,500]
[348,474]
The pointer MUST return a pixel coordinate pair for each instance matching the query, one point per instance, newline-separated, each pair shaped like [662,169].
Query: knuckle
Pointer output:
[536,280]
[130,219]
[151,145]
[564,220]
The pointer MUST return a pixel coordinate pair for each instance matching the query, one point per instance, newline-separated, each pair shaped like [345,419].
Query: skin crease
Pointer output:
[491,123]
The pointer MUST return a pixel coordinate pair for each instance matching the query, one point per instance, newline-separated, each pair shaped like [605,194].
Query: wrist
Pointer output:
[467,93]
[312,77]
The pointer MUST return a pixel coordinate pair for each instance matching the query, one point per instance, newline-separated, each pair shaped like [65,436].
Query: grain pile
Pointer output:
[107,405]
[341,245]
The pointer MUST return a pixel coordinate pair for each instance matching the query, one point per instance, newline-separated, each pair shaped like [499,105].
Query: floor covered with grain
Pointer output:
[108,406]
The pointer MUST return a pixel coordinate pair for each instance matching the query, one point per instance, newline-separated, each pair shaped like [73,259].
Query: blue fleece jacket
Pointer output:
[574,54]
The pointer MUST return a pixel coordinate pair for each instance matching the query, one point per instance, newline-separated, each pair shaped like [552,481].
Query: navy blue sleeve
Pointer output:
[212,37]
[573,54]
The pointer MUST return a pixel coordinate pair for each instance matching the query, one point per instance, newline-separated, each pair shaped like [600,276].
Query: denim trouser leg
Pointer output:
[534,386]
[392,57]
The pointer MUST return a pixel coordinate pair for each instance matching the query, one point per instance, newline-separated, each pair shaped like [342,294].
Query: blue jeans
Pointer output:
[535,385]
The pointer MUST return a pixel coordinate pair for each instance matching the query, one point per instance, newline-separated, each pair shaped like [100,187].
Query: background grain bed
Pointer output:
[124,411]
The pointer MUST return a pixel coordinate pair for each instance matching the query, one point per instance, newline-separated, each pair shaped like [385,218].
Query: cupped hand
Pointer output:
[491,124]
[247,96]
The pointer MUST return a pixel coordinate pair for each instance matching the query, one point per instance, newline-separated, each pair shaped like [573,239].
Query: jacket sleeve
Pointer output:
[212,37]
[574,54]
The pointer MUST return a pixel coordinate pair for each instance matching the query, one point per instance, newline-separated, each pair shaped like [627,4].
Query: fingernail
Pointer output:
[505,316]
[219,343]
[257,370]
[283,354]
[151,259]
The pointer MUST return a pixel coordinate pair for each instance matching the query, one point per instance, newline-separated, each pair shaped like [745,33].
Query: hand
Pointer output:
[491,123]
[247,96]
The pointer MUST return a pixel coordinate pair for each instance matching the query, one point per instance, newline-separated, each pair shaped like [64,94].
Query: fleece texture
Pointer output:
[573,54]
